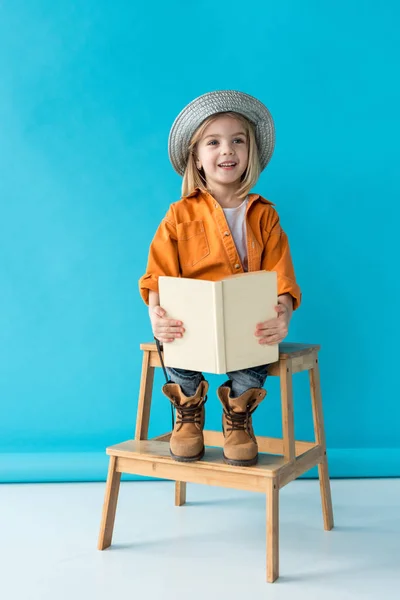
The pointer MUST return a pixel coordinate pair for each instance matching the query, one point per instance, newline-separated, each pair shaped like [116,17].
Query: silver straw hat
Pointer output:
[208,104]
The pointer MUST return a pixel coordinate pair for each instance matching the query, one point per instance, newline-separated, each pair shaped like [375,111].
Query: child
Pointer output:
[219,143]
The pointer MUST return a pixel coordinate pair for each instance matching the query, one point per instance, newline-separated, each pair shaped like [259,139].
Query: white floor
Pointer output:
[214,547]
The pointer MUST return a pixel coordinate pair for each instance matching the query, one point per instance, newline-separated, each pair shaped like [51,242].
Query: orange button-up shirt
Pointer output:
[194,240]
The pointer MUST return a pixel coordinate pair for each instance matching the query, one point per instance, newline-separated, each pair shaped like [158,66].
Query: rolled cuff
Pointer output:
[288,286]
[147,283]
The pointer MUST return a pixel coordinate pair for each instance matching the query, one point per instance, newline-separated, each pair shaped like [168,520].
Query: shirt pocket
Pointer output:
[192,243]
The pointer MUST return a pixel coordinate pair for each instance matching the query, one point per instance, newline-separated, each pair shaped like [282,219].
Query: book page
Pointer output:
[190,301]
[248,299]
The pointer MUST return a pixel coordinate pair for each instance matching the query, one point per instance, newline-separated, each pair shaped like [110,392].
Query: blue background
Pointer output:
[88,92]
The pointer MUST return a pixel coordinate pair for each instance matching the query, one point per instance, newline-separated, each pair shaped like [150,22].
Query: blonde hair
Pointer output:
[193,177]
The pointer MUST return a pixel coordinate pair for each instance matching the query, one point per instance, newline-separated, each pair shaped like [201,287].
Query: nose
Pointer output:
[226,148]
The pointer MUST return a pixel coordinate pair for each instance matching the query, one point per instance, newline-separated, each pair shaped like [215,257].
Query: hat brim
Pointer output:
[202,107]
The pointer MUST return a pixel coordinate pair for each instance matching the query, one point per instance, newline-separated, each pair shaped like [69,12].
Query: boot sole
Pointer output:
[187,458]
[241,463]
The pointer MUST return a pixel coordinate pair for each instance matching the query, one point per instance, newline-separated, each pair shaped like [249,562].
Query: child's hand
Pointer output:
[275,330]
[165,330]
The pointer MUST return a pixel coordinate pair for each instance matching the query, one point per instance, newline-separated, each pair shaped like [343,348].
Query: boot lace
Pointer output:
[240,421]
[188,414]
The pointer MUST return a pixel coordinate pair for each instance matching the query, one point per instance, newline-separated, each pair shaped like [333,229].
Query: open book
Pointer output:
[220,319]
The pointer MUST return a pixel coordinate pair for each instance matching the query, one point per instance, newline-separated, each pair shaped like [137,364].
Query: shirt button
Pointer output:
[237,266]
[226,233]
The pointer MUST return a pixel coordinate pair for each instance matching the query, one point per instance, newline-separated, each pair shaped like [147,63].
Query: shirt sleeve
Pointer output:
[276,257]
[162,258]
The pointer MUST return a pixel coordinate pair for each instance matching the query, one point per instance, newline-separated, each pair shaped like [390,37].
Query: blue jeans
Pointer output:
[242,380]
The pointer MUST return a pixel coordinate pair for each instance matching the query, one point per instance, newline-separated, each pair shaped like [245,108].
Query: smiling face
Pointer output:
[223,151]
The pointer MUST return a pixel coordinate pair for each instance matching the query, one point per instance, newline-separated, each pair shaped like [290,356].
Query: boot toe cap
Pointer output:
[188,447]
[246,451]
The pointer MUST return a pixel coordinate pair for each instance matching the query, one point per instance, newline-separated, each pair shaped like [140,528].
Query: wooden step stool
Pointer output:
[281,460]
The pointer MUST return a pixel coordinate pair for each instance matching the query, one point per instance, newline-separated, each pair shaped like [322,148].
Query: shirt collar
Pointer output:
[252,197]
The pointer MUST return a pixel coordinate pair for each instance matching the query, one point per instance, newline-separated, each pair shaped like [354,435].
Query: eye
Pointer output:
[211,142]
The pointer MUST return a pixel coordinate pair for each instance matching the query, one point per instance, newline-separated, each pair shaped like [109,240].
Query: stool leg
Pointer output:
[326,499]
[145,393]
[272,530]
[286,383]
[180,493]
[109,506]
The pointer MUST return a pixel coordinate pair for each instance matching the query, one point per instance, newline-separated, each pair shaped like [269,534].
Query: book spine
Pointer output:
[219,328]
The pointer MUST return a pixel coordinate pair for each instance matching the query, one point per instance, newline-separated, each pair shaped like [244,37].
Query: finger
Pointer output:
[159,311]
[172,323]
[266,331]
[272,339]
[281,333]
[165,340]
[165,329]
[267,324]
[165,333]
[280,309]
[169,336]
[161,338]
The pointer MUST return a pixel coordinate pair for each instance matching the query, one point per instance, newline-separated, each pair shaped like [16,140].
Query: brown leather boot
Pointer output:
[187,441]
[240,444]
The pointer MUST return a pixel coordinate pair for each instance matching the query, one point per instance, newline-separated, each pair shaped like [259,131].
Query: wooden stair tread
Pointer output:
[156,451]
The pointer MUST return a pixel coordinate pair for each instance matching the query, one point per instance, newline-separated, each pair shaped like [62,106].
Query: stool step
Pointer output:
[157,451]
[152,459]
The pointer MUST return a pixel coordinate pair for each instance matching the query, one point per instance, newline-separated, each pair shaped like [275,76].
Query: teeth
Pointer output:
[227,164]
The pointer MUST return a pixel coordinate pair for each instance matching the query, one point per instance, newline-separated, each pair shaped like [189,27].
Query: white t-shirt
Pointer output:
[236,218]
